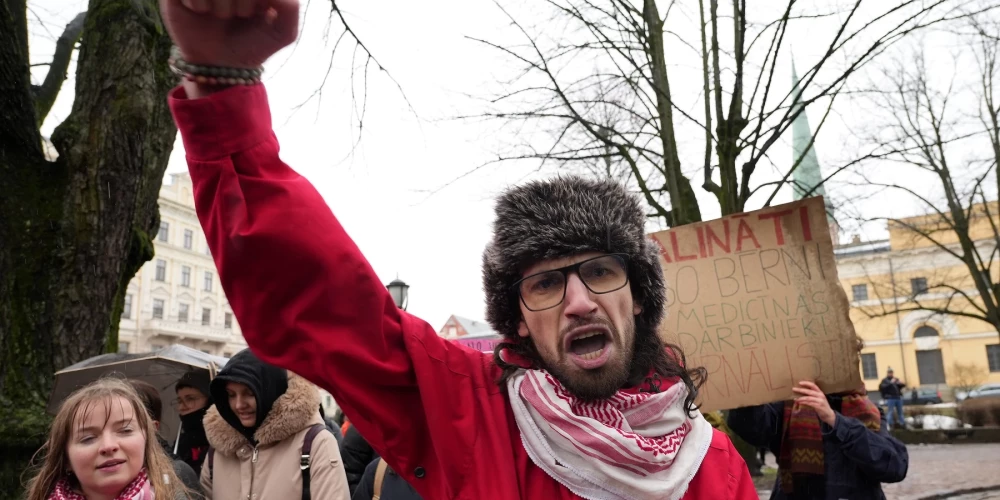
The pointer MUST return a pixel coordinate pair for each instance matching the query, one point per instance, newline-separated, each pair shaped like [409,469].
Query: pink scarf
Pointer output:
[636,445]
[138,489]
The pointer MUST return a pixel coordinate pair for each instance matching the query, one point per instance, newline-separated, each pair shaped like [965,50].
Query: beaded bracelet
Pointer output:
[212,75]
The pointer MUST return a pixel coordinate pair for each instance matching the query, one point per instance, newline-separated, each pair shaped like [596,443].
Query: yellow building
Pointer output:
[885,280]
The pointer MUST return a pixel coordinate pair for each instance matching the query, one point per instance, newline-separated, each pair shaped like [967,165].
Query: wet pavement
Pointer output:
[940,468]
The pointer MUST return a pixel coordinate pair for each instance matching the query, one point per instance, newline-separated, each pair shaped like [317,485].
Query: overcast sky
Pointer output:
[378,186]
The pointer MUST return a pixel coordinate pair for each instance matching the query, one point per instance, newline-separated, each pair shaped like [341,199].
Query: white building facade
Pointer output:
[177,298]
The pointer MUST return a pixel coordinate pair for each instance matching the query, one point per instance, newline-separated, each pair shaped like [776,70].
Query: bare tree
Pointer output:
[967,376]
[928,126]
[595,75]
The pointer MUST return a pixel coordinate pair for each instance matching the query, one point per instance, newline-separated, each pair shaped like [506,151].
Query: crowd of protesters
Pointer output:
[582,399]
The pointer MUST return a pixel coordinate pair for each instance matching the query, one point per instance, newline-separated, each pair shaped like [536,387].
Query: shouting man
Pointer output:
[583,400]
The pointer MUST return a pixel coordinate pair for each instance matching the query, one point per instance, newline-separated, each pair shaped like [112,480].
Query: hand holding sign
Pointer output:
[755,299]
[811,396]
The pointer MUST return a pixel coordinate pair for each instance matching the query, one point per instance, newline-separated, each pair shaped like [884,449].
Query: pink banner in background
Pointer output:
[485,344]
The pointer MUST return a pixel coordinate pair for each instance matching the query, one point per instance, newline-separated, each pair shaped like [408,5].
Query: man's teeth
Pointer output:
[592,355]
[588,335]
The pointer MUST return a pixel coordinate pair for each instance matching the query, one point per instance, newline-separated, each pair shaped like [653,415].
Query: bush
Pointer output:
[916,411]
[980,412]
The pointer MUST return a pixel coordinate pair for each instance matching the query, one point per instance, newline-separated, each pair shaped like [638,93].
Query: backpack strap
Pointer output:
[379,478]
[211,463]
[305,461]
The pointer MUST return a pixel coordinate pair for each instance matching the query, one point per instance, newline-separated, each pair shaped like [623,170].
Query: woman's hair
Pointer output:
[55,463]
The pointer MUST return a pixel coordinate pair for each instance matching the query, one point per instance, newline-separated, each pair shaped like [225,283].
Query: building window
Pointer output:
[918,286]
[227,354]
[188,239]
[860,292]
[208,251]
[208,281]
[186,276]
[206,316]
[869,368]
[925,331]
[205,351]
[164,234]
[993,357]
[182,313]
[161,270]
[156,347]
[127,309]
[229,320]
[158,308]
[123,347]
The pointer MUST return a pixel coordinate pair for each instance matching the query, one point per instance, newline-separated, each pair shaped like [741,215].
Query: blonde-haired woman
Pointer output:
[102,446]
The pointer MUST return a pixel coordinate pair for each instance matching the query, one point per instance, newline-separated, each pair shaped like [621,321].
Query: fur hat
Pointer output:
[561,217]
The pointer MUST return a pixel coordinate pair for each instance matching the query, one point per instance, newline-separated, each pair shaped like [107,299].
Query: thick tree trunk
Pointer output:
[684,207]
[74,231]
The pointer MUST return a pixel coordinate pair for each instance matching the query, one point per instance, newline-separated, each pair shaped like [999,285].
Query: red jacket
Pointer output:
[307,300]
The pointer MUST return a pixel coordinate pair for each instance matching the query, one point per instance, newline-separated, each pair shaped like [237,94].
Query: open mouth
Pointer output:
[589,346]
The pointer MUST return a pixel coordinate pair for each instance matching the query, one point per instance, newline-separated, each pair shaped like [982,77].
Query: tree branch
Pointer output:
[45,95]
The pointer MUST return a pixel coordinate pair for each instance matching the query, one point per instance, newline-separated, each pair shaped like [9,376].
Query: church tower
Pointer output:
[808,174]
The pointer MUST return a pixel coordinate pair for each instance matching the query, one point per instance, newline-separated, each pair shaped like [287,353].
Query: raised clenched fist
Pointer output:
[231,33]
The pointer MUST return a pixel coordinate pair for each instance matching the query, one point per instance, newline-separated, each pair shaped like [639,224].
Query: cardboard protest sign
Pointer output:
[755,299]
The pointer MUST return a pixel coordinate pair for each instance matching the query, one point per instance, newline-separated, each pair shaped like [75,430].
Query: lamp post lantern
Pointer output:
[400,292]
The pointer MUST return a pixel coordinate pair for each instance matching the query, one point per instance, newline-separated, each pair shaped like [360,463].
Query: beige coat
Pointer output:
[273,472]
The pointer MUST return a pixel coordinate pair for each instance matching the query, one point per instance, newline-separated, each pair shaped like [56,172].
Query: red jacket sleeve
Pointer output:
[307,299]
[743,487]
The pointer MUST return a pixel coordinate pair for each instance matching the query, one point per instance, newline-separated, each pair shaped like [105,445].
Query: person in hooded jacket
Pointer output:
[257,428]
[193,400]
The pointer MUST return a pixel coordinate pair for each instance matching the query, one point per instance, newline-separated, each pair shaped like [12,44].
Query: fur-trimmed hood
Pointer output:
[293,411]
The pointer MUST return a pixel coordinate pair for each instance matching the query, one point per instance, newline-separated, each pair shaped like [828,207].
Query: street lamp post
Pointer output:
[400,292]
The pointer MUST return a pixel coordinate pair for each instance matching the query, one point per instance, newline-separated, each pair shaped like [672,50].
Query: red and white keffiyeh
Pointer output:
[138,489]
[637,445]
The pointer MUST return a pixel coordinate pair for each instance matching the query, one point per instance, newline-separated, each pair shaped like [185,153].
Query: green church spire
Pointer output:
[808,174]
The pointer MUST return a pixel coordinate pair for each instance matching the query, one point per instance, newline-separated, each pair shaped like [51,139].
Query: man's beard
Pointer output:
[598,383]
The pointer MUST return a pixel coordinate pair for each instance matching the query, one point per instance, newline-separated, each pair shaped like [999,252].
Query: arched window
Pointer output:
[925,331]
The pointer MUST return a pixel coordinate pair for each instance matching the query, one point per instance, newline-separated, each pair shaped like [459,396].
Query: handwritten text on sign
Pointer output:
[755,299]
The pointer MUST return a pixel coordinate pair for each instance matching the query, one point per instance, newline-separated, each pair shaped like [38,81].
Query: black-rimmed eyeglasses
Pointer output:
[547,289]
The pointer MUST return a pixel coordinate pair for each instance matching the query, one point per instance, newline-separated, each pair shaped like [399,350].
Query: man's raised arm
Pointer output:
[304,295]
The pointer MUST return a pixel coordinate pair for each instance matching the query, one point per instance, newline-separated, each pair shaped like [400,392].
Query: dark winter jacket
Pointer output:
[393,486]
[331,426]
[192,445]
[890,389]
[857,460]
[357,454]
